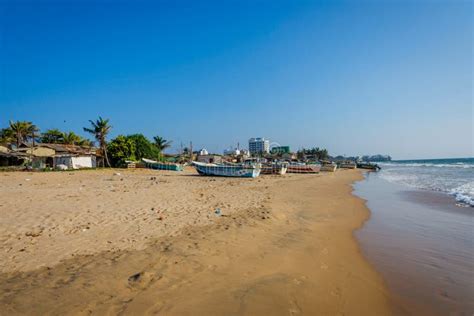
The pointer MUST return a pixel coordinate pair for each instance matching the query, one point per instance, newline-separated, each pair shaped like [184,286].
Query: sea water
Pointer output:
[420,235]
[451,176]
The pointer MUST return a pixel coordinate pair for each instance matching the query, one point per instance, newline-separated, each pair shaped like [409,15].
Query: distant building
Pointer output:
[203,152]
[280,150]
[259,146]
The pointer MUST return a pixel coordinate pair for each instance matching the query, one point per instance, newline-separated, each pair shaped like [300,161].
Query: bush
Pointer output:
[121,149]
[144,148]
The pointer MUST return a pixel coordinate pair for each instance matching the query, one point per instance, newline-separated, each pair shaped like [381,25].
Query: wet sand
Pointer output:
[284,246]
[422,244]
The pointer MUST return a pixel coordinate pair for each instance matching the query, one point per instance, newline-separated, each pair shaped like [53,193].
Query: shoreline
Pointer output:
[421,243]
[291,250]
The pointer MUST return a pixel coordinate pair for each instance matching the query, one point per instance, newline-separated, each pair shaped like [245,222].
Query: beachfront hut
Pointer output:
[39,157]
[44,156]
[11,159]
[72,156]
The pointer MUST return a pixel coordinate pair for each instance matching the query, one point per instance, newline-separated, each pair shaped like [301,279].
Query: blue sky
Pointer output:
[354,77]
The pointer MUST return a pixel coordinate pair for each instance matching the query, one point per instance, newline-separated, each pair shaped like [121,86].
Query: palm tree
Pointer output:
[161,143]
[52,136]
[6,136]
[100,128]
[71,139]
[23,130]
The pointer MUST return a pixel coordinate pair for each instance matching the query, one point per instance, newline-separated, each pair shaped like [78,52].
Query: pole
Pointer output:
[191,150]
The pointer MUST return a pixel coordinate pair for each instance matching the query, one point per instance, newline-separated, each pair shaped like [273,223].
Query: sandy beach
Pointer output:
[146,242]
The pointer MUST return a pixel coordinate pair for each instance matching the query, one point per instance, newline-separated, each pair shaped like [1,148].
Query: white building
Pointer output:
[259,145]
[203,152]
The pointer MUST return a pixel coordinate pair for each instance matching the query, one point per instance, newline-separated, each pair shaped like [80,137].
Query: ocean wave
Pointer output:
[435,165]
[464,193]
[462,189]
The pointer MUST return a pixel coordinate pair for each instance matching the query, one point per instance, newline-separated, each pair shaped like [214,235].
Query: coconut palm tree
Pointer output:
[100,129]
[52,136]
[161,143]
[71,139]
[6,136]
[22,131]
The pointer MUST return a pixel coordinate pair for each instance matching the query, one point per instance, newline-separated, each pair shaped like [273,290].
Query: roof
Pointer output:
[70,149]
[13,154]
[50,150]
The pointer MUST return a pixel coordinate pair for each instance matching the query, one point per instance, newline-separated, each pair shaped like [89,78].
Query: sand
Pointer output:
[149,242]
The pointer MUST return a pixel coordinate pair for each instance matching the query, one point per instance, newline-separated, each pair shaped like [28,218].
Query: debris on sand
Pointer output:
[35,233]
[135,277]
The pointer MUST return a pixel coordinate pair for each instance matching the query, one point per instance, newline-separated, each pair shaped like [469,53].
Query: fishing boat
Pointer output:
[274,168]
[227,170]
[347,165]
[303,168]
[328,166]
[152,164]
[368,165]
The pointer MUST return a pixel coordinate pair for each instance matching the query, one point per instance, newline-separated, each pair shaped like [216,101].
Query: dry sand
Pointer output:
[148,242]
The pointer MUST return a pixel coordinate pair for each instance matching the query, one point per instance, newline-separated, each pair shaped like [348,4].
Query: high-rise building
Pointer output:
[259,145]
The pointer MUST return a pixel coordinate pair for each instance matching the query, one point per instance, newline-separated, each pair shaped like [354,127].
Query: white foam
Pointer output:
[453,181]
[464,193]
[446,165]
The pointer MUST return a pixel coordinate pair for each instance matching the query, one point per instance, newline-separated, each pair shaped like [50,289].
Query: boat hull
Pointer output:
[274,169]
[151,164]
[171,167]
[348,166]
[328,168]
[372,167]
[304,168]
[226,170]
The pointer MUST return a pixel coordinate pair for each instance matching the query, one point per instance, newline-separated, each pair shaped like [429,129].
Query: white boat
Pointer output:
[227,170]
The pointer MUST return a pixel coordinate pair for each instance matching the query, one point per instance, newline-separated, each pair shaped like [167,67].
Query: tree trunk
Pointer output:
[18,140]
[104,149]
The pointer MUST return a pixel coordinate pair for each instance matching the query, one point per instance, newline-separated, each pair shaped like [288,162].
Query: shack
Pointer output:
[72,156]
[41,156]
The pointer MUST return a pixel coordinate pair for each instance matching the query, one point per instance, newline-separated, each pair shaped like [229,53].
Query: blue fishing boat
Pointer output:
[227,170]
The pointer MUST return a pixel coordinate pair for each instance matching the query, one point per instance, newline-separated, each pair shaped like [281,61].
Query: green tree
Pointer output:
[161,143]
[315,153]
[121,149]
[100,129]
[52,136]
[323,154]
[6,136]
[71,138]
[22,131]
[144,148]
